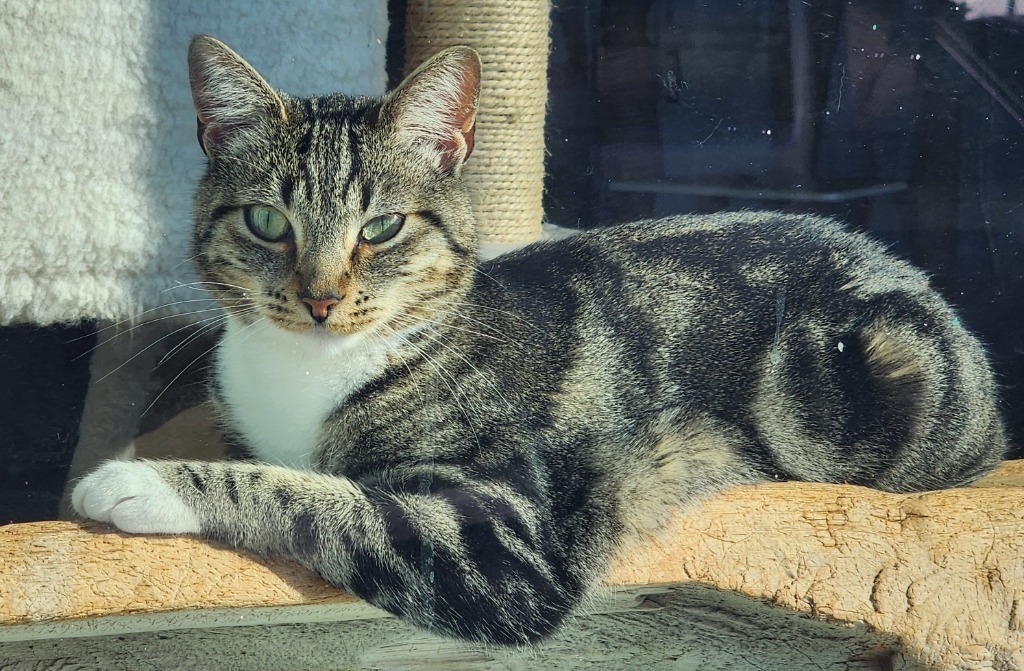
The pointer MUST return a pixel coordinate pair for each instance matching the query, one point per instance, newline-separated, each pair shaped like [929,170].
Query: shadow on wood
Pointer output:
[684,627]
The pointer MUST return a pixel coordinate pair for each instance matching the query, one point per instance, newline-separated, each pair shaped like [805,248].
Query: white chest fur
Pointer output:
[279,386]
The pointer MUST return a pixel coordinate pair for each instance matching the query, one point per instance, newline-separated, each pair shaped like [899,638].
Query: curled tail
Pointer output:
[902,398]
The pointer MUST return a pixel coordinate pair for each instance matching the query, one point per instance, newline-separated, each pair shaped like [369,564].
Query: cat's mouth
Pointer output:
[337,325]
[337,331]
[333,320]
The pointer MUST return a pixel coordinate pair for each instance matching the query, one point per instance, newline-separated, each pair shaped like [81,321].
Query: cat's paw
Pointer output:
[132,496]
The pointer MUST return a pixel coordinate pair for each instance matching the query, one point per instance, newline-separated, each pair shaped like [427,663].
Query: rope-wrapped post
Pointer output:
[506,171]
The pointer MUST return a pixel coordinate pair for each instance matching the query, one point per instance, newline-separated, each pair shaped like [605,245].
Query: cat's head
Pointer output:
[334,214]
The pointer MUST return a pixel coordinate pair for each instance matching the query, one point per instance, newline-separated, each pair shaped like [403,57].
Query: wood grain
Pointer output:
[940,573]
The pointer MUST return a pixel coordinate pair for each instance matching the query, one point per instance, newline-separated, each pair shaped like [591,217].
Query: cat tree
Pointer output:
[777,576]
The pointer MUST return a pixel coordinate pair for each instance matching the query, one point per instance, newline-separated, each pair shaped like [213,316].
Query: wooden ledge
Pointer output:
[940,575]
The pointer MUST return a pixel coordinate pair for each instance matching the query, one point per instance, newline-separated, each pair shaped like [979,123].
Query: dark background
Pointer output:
[904,119]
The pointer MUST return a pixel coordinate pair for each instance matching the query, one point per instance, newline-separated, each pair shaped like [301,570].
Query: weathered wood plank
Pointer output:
[938,577]
[690,627]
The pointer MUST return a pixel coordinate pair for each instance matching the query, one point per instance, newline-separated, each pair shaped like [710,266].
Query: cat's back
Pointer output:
[717,287]
[735,256]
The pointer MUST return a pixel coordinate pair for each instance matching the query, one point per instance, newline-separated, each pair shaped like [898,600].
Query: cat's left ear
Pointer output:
[434,109]
[230,97]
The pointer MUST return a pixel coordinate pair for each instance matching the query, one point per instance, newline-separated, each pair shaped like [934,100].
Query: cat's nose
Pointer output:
[320,308]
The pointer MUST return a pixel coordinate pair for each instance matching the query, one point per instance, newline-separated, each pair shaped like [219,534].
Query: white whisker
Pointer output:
[442,373]
[154,344]
[208,325]
[135,327]
[446,324]
[515,316]
[436,337]
[185,369]
[133,319]
[194,286]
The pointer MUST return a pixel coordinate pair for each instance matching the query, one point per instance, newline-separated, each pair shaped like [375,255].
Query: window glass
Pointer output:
[903,119]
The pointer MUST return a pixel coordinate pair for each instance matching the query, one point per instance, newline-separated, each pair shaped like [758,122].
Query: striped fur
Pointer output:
[465,445]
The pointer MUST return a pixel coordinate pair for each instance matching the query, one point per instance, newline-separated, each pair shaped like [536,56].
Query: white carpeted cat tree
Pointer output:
[99,164]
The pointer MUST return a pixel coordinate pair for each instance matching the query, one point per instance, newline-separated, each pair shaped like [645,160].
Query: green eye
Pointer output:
[383,228]
[267,223]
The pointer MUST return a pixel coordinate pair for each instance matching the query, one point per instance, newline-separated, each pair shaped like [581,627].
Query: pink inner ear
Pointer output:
[459,146]
[229,95]
[451,150]
[435,107]
[468,130]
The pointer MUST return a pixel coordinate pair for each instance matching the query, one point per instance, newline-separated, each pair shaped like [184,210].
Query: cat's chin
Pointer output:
[324,337]
[318,331]
[334,335]
[313,340]
[331,341]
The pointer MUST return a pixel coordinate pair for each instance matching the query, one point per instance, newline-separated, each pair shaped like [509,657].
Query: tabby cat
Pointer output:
[465,444]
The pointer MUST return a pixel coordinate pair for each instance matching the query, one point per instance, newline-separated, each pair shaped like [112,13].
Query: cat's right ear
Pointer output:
[229,95]
[434,109]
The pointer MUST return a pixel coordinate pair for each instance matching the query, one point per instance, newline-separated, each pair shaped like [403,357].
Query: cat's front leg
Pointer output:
[475,559]
[134,497]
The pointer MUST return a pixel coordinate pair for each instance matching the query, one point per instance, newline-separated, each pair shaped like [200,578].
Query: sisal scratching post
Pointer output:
[506,171]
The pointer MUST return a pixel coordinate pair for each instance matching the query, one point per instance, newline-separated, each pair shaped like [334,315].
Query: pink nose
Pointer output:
[320,308]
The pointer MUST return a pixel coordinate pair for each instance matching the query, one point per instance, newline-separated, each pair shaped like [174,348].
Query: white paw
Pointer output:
[132,496]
